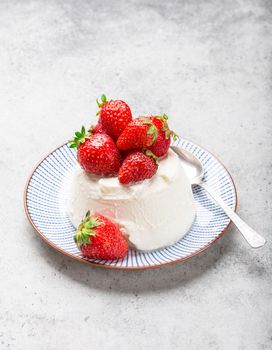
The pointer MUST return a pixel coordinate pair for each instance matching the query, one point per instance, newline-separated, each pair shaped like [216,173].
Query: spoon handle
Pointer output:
[252,237]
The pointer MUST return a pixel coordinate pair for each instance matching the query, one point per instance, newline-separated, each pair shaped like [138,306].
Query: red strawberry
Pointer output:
[139,133]
[98,128]
[114,116]
[99,238]
[138,166]
[161,145]
[97,154]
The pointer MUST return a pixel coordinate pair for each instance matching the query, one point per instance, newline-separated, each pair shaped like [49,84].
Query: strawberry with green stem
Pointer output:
[99,238]
[96,153]
[139,133]
[162,143]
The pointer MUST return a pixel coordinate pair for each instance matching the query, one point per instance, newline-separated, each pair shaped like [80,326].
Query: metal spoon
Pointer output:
[195,173]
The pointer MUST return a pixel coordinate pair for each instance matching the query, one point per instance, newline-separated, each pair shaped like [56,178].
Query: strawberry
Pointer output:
[162,143]
[98,128]
[114,116]
[96,154]
[99,238]
[140,133]
[138,166]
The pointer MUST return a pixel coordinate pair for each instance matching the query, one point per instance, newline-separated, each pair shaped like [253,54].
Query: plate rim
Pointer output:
[51,244]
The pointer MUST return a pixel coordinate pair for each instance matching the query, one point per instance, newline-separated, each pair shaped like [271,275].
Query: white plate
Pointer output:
[45,197]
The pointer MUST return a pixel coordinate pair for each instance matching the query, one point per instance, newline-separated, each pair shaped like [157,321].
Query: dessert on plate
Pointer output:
[129,180]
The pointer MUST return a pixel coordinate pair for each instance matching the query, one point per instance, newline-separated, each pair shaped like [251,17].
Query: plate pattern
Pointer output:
[46,197]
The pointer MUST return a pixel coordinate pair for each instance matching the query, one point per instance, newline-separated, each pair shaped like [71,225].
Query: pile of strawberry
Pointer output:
[117,145]
[120,145]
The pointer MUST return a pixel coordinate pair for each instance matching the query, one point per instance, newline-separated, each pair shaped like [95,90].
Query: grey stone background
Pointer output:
[208,65]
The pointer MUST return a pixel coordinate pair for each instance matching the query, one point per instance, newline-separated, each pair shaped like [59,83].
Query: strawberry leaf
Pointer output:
[103,101]
[152,155]
[86,230]
[80,137]
[174,135]
[165,128]
[153,131]
[104,98]
[146,120]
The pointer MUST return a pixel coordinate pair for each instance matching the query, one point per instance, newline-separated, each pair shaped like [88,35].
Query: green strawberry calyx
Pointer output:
[86,230]
[152,155]
[152,130]
[102,103]
[80,137]
[165,127]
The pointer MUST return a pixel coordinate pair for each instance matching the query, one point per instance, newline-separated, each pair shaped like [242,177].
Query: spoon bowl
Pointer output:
[195,173]
[191,164]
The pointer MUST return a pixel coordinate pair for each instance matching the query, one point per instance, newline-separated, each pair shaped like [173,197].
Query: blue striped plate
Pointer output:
[46,194]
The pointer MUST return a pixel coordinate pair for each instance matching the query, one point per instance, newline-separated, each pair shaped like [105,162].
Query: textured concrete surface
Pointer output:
[208,65]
